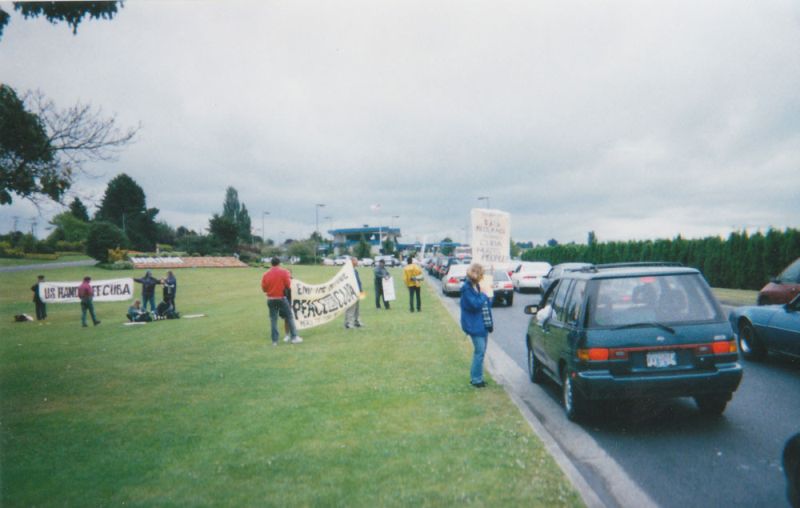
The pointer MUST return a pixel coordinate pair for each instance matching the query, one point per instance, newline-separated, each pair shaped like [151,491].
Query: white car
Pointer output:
[390,261]
[453,279]
[327,262]
[528,275]
[341,260]
[366,262]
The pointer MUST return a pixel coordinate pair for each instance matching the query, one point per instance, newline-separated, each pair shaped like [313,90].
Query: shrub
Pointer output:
[7,251]
[117,254]
[65,246]
[104,236]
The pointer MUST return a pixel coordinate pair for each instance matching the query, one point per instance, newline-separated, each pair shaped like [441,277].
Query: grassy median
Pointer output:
[206,412]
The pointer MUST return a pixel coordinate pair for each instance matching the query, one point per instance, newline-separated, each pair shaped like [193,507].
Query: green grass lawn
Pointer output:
[206,412]
[736,297]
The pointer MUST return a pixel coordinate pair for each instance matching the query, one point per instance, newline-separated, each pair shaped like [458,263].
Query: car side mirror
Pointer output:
[531,309]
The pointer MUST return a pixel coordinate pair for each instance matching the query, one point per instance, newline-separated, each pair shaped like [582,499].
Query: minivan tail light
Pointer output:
[452,280]
[724,347]
[595,354]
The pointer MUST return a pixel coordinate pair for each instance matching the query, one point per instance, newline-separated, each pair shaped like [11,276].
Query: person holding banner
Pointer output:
[148,283]
[412,276]
[351,315]
[476,320]
[274,283]
[86,295]
[381,274]
[41,307]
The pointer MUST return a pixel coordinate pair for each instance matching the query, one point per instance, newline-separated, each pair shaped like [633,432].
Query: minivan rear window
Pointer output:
[665,299]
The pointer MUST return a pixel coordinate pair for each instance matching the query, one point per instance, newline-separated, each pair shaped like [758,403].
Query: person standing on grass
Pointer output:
[41,307]
[288,294]
[274,283]
[86,295]
[412,276]
[148,283]
[474,305]
[381,274]
[351,315]
[170,289]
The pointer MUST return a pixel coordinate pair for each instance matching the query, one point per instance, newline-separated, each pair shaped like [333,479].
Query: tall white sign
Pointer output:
[491,236]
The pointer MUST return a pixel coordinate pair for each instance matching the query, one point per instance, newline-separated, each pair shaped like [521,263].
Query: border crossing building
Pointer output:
[375,236]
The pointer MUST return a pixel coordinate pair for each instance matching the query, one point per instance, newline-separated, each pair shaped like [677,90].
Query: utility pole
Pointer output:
[263,231]
[316,230]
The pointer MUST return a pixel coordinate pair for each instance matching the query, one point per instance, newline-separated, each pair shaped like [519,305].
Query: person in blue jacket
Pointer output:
[474,307]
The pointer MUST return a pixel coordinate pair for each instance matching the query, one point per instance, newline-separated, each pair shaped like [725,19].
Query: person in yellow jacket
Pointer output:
[412,276]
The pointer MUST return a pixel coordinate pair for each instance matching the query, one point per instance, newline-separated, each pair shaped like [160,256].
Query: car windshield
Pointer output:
[653,299]
[791,274]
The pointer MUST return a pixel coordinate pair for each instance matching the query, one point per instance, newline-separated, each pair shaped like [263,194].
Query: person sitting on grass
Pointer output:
[137,314]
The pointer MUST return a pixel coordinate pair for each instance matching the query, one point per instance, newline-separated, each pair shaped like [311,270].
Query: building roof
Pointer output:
[385,230]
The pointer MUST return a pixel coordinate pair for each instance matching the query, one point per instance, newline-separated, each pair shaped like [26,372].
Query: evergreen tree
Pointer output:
[78,210]
[124,205]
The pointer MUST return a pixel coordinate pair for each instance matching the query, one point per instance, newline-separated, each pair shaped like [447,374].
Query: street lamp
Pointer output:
[480,198]
[263,231]
[330,228]
[316,229]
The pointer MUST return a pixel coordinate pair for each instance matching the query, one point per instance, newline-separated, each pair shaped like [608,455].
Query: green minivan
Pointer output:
[632,331]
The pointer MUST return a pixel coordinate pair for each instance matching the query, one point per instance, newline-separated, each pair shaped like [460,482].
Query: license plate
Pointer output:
[661,359]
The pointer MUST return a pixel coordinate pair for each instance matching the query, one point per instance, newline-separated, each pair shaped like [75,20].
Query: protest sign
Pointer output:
[388,289]
[314,305]
[111,290]
[491,237]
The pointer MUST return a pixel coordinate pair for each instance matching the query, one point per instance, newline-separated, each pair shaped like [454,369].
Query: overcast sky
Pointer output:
[633,119]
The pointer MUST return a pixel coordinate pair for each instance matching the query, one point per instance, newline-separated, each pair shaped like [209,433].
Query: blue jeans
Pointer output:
[476,372]
[276,306]
[151,299]
[87,306]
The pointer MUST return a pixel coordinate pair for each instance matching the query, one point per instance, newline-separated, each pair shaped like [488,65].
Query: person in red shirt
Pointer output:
[275,283]
[86,294]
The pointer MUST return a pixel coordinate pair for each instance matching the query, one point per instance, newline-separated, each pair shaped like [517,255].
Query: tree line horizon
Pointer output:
[741,261]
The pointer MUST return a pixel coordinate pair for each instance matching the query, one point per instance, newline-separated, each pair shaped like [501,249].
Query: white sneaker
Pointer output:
[296,340]
[287,338]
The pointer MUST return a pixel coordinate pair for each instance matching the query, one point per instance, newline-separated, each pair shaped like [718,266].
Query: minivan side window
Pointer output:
[560,302]
[575,302]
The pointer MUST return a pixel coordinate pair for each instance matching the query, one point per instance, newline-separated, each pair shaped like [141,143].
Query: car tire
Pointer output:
[535,372]
[712,404]
[510,300]
[575,405]
[762,300]
[751,346]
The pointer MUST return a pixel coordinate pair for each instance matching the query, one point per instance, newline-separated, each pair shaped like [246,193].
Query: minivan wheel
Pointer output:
[575,406]
[751,346]
[712,404]
[534,368]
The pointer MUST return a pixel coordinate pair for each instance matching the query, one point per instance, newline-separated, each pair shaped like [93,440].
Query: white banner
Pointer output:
[491,237]
[314,305]
[112,290]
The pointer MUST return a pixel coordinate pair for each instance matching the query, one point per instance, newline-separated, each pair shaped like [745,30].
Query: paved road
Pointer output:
[667,453]
[48,266]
